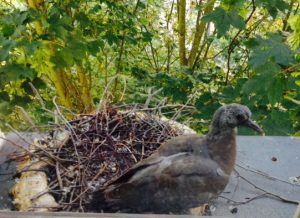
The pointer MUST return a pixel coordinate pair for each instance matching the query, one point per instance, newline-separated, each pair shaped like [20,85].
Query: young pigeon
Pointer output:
[185,172]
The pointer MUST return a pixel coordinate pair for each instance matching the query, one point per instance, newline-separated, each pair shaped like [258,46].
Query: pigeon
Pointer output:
[185,172]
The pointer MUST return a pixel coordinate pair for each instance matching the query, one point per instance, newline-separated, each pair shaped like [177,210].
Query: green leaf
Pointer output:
[276,89]
[173,86]
[236,20]
[63,58]
[262,80]
[22,101]
[29,46]
[206,106]
[251,43]
[147,36]
[77,49]
[202,100]
[4,96]
[139,73]
[141,5]
[60,26]
[223,20]
[15,18]
[220,18]
[273,6]
[94,46]
[83,19]
[6,46]
[5,109]
[111,37]
[36,82]
[294,23]
[270,48]
[13,72]
[8,30]
[277,123]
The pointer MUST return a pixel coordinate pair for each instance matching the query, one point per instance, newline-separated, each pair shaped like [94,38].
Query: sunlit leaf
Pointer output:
[223,19]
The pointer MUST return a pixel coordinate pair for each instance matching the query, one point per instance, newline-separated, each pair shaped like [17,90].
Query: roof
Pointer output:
[268,163]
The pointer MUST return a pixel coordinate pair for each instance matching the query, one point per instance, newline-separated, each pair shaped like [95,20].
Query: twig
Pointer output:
[283,199]
[266,175]
[244,202]
[60,183]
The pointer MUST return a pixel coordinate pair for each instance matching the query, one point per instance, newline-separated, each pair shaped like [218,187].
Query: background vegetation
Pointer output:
[202,53]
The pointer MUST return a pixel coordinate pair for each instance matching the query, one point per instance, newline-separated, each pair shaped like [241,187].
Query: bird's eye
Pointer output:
[240,117]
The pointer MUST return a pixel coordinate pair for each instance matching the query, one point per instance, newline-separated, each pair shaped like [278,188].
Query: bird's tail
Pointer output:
[100,203]
[97,202]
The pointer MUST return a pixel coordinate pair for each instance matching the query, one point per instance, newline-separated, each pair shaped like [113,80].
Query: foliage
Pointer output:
[218,52]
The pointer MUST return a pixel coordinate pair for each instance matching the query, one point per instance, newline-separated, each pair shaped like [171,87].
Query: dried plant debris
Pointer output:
[87,152]
[233,209]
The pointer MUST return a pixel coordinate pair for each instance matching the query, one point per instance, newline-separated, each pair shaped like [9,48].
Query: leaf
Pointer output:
[173,86]
[59,26]
[236,20]
[5,109]
[22,101]
[4,96]
[206,106]
[270,48]
[8,30]
[294,23]
[232,4]
[147,36]
[13,72]
[220,18]
[139,73]
[273,6]
[275,90]
[263,79]
[83,19]
[251,43]
[94,46]
[277,123]
[29,46]
[16,18]
[202,100]
[111,37]
[141,5]
[36,82]
[6,46]
[223,20]
[63,58]
[77,49]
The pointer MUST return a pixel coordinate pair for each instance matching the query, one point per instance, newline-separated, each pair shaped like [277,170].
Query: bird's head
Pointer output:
[234,115]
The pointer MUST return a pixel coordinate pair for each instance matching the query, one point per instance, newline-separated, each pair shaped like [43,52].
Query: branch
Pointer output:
[234,42]
[200,27]
[181,5]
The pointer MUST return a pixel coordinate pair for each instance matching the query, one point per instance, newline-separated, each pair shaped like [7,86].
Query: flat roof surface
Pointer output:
[269,163]
[264,164]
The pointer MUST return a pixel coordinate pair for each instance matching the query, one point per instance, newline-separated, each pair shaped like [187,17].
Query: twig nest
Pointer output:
[86,153]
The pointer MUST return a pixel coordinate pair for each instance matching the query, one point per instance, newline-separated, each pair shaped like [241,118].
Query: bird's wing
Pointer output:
[193,165]
[151,160]
[101,199]
[180,181]
[184,143]
[180,144]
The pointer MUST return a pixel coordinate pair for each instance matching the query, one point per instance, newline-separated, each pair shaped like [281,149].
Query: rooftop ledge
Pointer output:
[266,182]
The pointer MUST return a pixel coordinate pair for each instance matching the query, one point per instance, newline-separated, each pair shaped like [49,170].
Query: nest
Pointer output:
[86,153]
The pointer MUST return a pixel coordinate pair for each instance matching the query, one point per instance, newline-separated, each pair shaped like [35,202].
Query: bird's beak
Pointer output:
[252,125]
